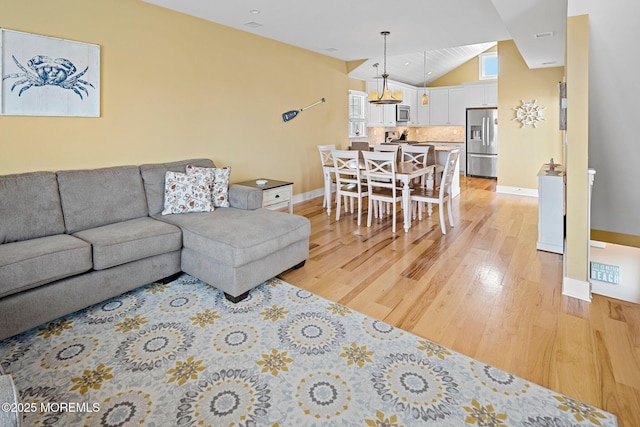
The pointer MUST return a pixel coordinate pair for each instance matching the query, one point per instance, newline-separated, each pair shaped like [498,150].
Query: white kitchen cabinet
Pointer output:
[409,98]
[389,115]
[374,113]
[447,106]
[381,115]
[481,95]
[551,209]
[457,110]
[422,111]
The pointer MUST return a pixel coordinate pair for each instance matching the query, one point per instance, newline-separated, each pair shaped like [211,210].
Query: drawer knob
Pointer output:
[277,195]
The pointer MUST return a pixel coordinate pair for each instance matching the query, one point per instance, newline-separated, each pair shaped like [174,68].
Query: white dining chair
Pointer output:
[388,148]
[349,179]
[380,172]
[439,195]
[417,155]
[329,177]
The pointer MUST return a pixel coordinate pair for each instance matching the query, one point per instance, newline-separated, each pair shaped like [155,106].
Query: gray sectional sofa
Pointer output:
[75,238]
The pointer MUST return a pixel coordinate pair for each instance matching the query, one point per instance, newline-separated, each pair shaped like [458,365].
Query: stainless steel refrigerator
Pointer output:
[482,142]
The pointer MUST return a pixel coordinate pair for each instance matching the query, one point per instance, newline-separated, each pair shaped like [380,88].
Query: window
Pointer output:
[357,114]
[488,65]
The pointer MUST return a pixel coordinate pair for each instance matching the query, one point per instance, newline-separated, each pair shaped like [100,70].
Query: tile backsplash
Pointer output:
[375,135]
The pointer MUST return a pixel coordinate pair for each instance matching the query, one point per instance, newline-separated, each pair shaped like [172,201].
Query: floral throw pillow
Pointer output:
[219,183]
[184,193]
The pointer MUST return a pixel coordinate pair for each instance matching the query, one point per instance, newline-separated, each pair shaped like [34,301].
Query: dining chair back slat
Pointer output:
[417,155]
[380,171]
[327,160]
[348,178]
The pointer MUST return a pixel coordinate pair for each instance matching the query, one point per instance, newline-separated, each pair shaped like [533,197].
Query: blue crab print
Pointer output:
[44,71]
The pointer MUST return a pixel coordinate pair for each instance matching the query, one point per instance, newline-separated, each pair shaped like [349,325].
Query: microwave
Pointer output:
[403,113]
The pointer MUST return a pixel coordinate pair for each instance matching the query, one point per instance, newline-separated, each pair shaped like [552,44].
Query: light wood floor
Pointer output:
[483,290]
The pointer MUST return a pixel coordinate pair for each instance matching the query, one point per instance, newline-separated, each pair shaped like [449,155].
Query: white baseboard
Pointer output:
[504,189]
[303,197]
[576,288]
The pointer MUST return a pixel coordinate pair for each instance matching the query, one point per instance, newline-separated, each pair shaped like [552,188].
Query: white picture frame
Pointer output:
[47,76]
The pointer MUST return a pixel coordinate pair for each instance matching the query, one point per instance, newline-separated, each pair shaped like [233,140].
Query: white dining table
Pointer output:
[405,173]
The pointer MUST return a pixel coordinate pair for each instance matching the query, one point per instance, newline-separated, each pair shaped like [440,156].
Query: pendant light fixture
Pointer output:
[386,97]
[425,97]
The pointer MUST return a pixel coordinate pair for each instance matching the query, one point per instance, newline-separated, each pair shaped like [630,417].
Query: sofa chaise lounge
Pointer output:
[74,238]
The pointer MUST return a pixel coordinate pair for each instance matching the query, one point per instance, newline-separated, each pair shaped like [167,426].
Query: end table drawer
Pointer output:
[276,195]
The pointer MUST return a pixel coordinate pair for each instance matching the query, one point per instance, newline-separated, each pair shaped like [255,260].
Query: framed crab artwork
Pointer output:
[47,76]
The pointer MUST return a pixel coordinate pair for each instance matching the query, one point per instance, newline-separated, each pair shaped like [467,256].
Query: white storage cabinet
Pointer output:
[551,209]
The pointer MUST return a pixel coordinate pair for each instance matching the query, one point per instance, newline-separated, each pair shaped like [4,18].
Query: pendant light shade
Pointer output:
[385,96]
[425,97]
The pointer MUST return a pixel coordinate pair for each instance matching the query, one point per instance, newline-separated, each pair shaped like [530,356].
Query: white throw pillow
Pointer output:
[184,193]
[219,183]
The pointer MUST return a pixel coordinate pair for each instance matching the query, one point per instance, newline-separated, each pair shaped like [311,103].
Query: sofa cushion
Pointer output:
[219,183]
[185,193]
[127,241]
[236,237]
[153,177]
[29,206]
[96,197]
[31,263]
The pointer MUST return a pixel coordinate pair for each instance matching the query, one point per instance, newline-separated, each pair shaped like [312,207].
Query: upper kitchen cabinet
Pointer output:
[381,115]
[357,114]
[447,106]
[422,111]
[409,98]
[481,95]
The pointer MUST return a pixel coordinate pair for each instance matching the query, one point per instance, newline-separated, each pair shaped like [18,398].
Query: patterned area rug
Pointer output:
[181,354]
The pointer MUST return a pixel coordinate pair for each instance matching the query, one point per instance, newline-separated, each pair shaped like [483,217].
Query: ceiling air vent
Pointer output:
[543,35]
[253,24]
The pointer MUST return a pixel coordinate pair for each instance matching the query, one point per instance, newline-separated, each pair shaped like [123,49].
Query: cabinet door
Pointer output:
[409,98]
[491,94]
[389,110]
[457,106]
[481,95]
[474,94]
[439,107]
[422,116]
[389,115]
[374,111]
[375,115]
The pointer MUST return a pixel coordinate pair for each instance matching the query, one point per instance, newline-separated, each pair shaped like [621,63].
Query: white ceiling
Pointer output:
[451,31]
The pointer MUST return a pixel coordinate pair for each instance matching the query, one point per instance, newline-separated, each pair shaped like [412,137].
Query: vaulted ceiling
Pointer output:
[450,31]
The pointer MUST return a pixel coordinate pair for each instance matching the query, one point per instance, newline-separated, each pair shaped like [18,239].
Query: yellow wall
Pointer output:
[576,256]
[177,87]
[523,150]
